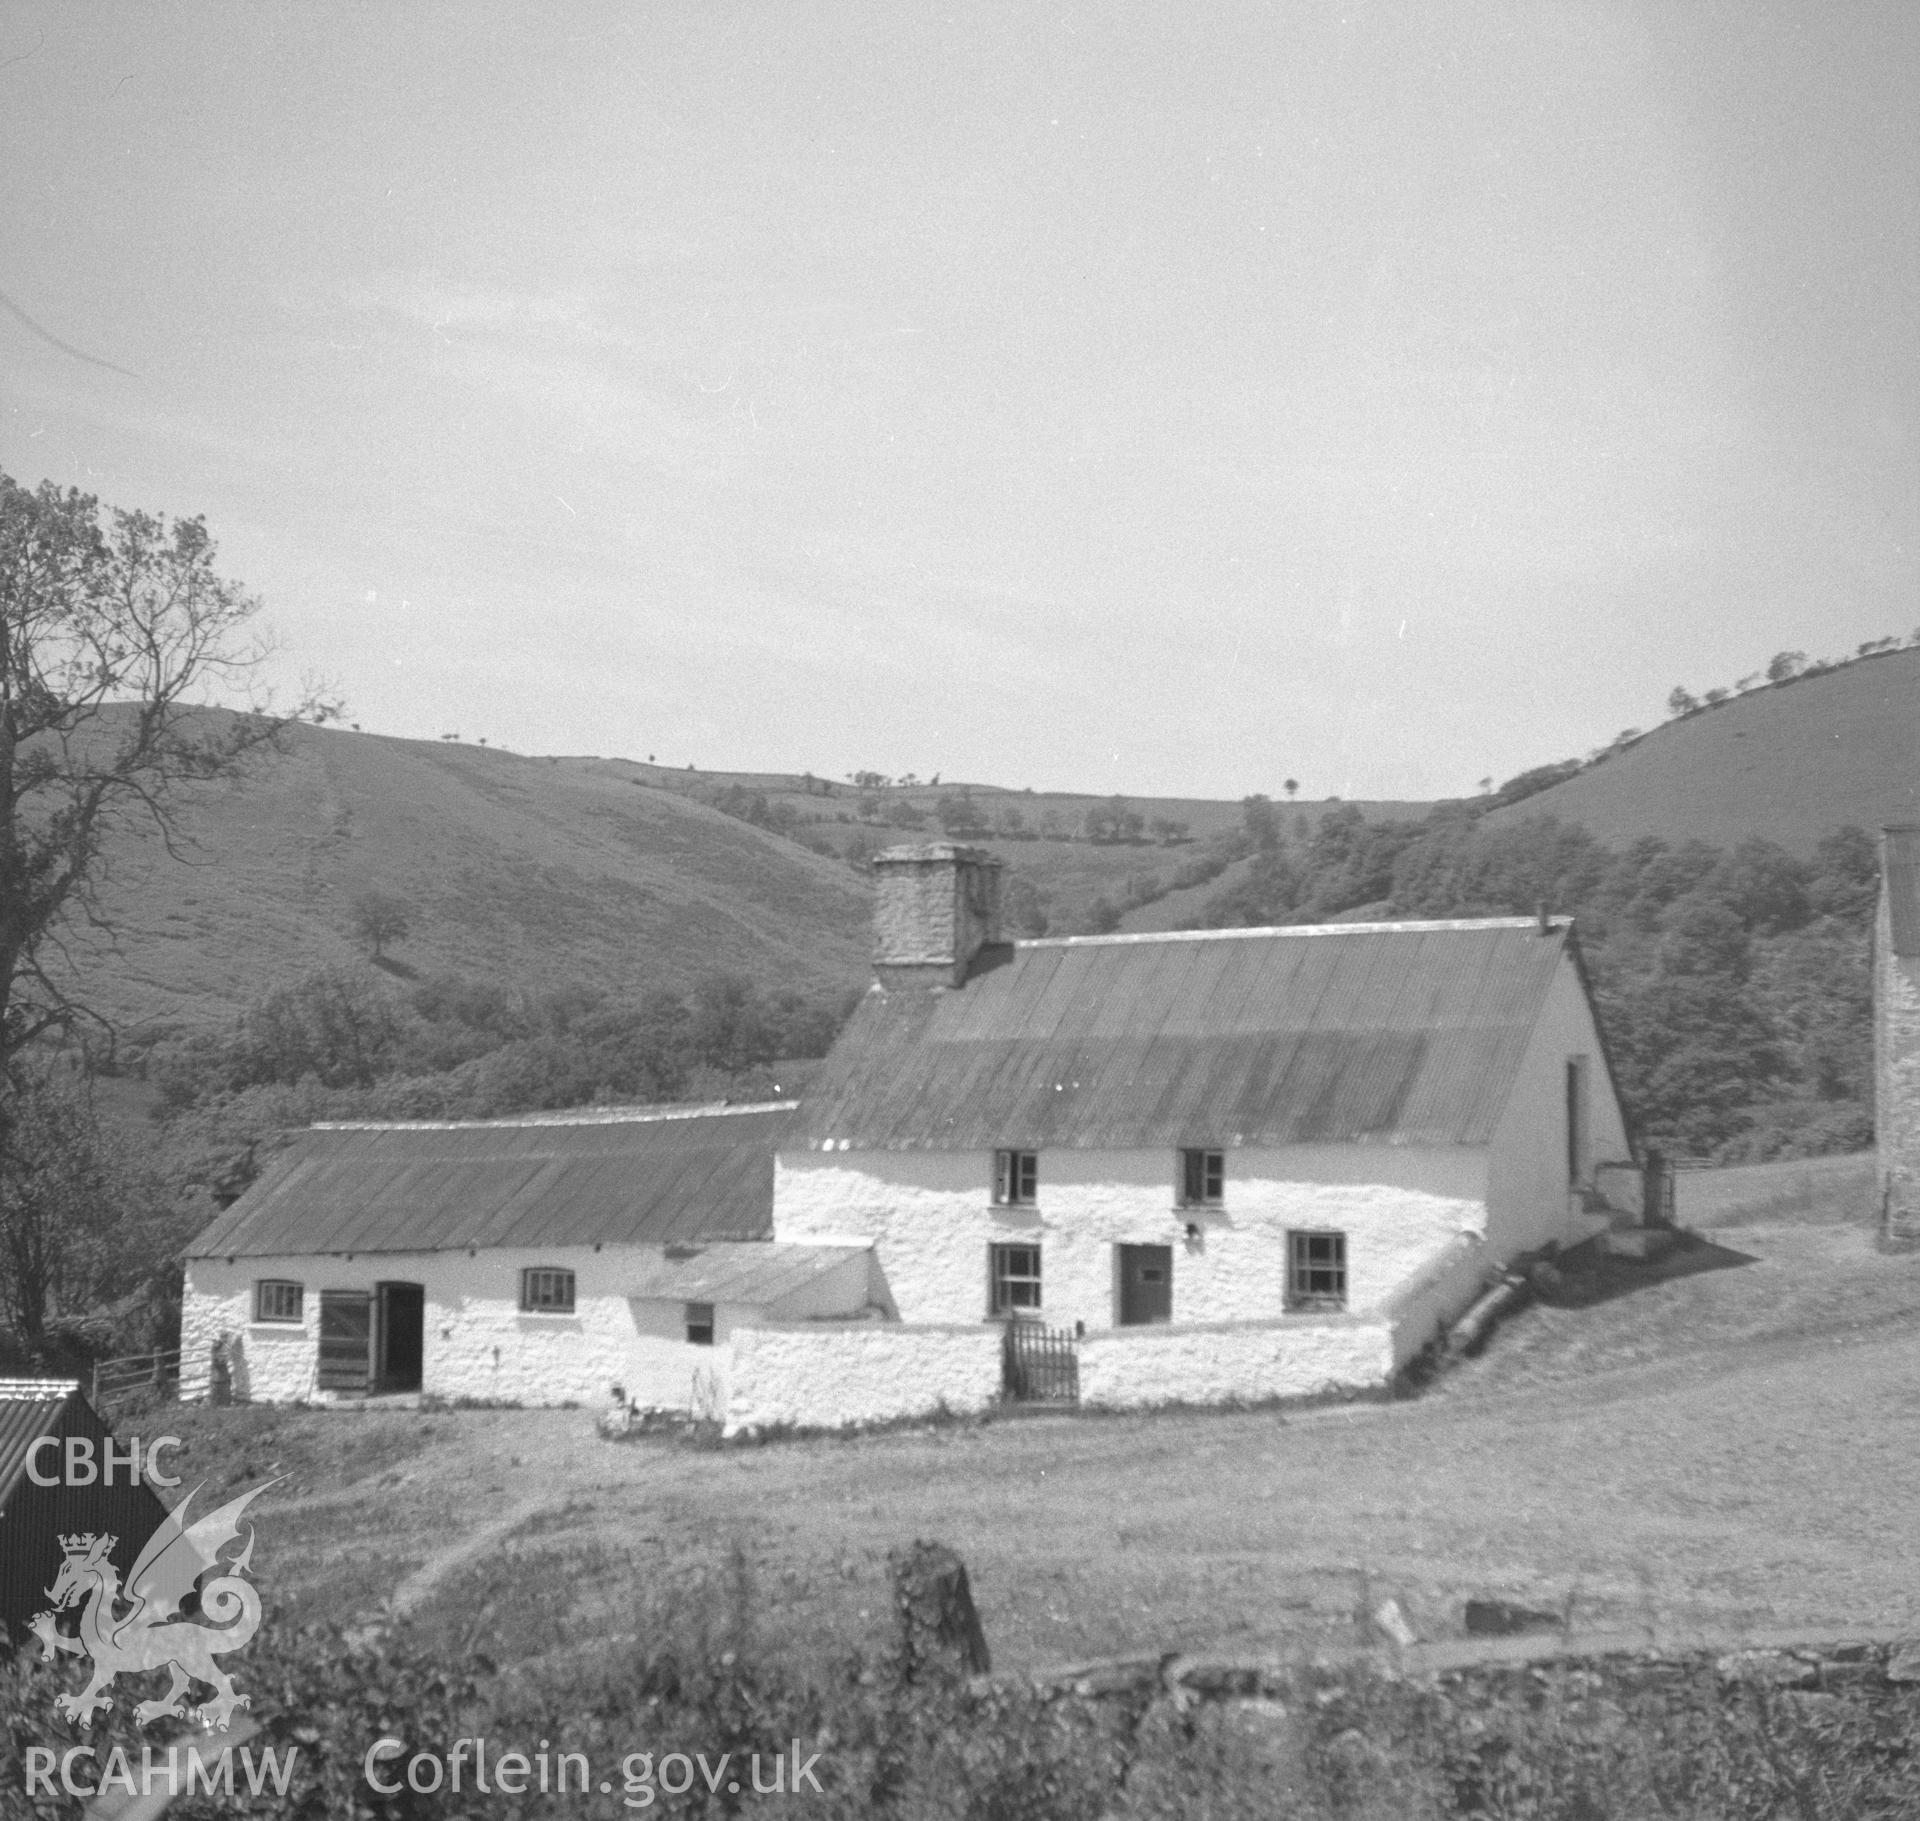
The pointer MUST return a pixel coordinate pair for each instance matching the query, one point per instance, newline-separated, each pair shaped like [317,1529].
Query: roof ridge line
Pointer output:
[534,1121]
[1409,927]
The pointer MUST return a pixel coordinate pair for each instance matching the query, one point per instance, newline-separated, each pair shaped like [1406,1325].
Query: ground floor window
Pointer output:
[1015,1279]
[1316,1270]
[546,1292]
[275,1300]
[700,1324]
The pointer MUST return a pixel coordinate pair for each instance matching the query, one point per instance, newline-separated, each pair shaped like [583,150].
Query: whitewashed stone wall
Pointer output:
[1299,1356]
[477,1342]
[931,1220]
[1438,1293]
[830,1376]
[1529,1199]
[273,1362]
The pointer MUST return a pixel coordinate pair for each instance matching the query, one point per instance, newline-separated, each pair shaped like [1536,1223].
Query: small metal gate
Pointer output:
[1040,1365]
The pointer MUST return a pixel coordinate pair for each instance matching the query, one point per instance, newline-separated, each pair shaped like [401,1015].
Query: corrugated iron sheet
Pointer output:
[1901,863]
[34,1517]
[646,1180]
[756,1274]
[29,1409]
[1406,1034]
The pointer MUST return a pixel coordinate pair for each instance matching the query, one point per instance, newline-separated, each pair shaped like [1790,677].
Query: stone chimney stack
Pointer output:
[1896,1033]
[935,907]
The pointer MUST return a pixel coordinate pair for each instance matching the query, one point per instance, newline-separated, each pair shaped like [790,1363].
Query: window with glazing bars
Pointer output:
[1016,1178]
[1203,1178]
[1015,1273]
[544,1291]
[1316,1270]
[274,1300]
[700,1324]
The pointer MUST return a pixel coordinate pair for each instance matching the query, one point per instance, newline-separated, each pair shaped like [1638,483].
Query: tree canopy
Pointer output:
[116,633]
[113,632]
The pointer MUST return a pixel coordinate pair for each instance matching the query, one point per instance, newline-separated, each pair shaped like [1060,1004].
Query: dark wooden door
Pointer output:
[346,1340]
[401,1340]
[1146,1285]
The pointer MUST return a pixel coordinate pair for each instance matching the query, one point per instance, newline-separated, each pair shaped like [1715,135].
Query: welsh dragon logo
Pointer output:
[150,1634]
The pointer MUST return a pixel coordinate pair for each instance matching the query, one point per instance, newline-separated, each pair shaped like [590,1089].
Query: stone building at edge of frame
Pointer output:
[1896,1033]
[1222,1165]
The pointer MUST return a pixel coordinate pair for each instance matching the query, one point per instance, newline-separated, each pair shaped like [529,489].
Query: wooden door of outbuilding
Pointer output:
[346,1340]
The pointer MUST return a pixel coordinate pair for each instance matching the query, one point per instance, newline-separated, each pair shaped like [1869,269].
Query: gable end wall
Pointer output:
[1528,1193]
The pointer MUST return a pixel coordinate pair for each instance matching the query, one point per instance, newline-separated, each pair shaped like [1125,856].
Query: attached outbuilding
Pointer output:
[540,1260]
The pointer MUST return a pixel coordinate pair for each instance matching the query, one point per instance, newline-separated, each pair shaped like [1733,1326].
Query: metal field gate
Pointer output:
[1040,1365]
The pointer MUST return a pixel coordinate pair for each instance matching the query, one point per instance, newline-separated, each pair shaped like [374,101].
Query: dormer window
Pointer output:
[1203,1178]
[1016,1178]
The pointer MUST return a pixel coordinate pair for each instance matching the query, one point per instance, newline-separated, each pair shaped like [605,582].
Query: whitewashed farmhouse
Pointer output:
[1197,1167]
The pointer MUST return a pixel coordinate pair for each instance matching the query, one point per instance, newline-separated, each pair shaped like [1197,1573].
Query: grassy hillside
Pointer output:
[1792,763]
[614,871]
[527,870]
[549,870]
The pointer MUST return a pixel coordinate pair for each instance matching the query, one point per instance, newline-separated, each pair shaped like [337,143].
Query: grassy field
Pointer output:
[1722,1440]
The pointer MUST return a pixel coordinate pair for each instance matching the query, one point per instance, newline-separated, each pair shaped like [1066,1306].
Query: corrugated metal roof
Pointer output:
[29,1409]
[754,1273]
[559,1181]
[1900,865]
[1406,1033]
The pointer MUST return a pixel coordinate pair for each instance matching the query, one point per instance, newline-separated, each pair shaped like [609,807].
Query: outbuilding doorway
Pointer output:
[1146,1285]
[399,1336]
[346,1328]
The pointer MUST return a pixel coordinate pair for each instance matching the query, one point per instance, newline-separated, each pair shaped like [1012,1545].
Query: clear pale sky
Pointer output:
[1156,398]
